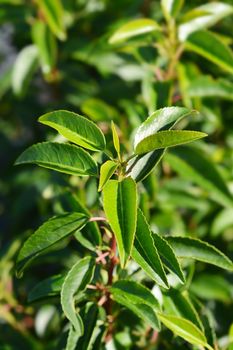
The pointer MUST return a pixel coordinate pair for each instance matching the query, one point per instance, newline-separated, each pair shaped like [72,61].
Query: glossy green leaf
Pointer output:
[205,86]
[75,128]
[177,303]
[116,141]
[134,28]
[106,171]
[212,287]
[162,119]
[168,256]
[171,7]
[46,45]
[184,329]
[24,67]
[49,287]
[138,299]
[54,15]
[141,166]
[76,281]
[192,164]
[185,247]
[208,45]
[64,158]
[145,252]
[120,203]
[202,17]
[167,138]
[51,232]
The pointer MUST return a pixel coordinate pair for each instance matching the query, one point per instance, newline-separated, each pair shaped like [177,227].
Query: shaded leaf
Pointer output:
[64,158]
[205,86]
[145,252]
[120,203]
[208,45]
[134,28]
[138,299]
[51,232]
[49,287]
[106,171]
[185,247]
[76,281]
[75,128]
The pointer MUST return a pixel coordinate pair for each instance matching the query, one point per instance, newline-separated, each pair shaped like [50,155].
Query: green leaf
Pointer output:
[138,299]
[162,119]
[192,164]
[46,45]
[206,86]
[134,28]
[72,339]
[141,166]
[106,171]
[178,303]
[171,8]
[54,15]
[145,252]
[208,45]
[76,281]
[49,287]
[98,110]
[64,158]
[116,141]
[222,222]
[185,247]
[25,66]
[75,128]
[167,138]
[202,17]
[120,203]
[184,329]
[51,232]
[168,256]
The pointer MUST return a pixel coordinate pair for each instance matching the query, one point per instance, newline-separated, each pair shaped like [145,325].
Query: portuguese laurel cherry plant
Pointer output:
[103,282]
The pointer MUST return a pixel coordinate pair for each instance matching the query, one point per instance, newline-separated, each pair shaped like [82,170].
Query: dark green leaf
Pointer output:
[138,299]
[47,288]
[65,158]
[185,247]
[145,252]
[120,203]
[76,129]
[47,235]
[76,281]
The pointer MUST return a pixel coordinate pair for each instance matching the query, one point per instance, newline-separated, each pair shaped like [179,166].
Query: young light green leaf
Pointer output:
[168,256]
[162,119]
[64,158]
[205,86]
[75,128]
[202,17]
[72,339]
[222,221]
[76,281]
[54,15]
[25,65]
[184,329]
[106,171]
[145,252]
[141,166]
[116,141]
[171,7]
[120,206]
[208,45]
[167,138]
[49,287]
[134,28]
[51,232]
[178,303]
[138,299]
[192,164]
[46,45]
[185,247]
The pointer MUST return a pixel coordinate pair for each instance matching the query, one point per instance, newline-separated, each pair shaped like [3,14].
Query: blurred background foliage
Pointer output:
[57,55]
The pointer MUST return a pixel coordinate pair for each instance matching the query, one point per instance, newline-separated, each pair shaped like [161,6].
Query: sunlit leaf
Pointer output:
[106,171]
